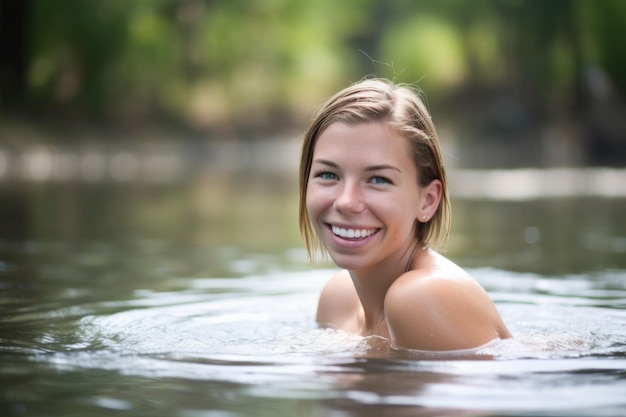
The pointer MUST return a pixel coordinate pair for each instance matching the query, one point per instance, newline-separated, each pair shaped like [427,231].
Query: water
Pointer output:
[196,300]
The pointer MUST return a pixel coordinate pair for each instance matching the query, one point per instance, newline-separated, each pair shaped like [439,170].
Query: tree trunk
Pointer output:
[13,53]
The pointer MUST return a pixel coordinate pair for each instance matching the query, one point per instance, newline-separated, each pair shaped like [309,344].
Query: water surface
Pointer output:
[197,300]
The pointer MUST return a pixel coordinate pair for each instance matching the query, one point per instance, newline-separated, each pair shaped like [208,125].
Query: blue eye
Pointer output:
[326,175]
[379,180]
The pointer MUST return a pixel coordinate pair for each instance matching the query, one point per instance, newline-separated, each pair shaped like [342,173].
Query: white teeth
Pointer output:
[352,233]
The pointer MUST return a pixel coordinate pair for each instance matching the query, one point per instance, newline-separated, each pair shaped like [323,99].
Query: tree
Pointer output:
[13,51]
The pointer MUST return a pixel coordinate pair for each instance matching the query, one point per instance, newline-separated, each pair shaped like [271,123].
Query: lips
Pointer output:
[352,233]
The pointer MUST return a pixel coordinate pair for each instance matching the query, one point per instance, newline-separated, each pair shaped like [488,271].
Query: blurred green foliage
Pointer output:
[232,65]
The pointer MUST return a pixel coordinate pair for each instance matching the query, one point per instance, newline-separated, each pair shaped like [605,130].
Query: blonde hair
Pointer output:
[400,106]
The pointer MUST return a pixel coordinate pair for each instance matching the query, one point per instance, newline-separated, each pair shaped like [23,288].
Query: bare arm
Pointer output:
[338,302]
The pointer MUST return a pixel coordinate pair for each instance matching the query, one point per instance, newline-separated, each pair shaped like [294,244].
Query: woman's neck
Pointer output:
[373,283]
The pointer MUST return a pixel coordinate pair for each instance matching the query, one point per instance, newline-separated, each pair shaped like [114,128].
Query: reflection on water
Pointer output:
[194,298]
[171,350]
[527,184]
[554,236]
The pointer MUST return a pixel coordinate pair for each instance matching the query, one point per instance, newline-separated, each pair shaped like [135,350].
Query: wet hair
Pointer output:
[401,108]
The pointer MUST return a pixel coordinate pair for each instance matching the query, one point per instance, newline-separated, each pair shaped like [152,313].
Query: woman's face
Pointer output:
[363,198]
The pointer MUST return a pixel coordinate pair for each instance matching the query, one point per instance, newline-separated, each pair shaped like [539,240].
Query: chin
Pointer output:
[349,264]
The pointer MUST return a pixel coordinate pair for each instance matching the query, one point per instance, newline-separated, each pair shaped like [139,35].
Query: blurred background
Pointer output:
[150,148]
[163,136]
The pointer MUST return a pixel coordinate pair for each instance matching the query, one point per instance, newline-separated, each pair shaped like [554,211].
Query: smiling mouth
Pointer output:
[352,233]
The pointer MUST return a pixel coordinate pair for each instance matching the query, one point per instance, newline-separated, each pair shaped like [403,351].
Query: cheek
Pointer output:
[314,201]
[404,211]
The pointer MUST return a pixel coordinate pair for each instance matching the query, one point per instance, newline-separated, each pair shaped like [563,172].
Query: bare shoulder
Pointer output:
[440,308]
[338,302]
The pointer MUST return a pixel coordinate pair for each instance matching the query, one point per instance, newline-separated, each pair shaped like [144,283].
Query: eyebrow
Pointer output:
[369,168]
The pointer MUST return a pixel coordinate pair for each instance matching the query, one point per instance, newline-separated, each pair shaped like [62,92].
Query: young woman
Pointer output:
[373,194]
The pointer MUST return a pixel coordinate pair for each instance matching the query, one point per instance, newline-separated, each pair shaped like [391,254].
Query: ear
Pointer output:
[430,196]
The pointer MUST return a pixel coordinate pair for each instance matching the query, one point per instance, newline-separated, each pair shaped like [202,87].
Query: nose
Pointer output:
[349,198]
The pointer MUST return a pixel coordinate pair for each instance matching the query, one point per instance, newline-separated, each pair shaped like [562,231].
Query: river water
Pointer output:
[196,299]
